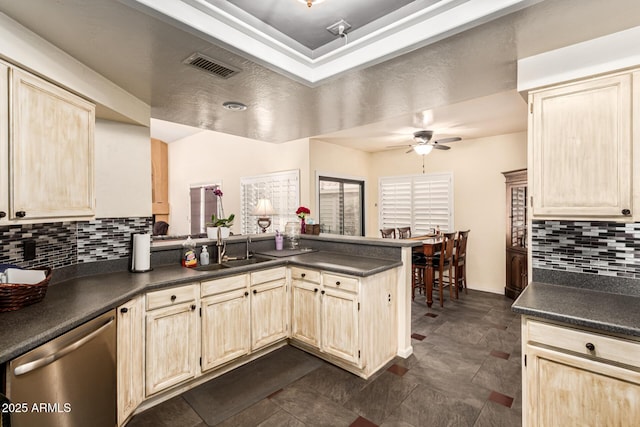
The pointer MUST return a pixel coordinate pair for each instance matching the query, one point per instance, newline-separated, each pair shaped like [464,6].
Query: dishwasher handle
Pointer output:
[44,361]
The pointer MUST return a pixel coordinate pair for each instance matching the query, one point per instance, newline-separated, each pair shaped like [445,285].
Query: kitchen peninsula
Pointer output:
[367,278]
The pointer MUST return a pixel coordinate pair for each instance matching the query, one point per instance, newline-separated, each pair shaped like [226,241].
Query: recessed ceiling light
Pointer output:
[234,106]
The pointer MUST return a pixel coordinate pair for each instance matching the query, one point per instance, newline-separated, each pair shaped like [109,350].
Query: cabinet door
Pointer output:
[580,139]
[567,390]
[172,348]
[516,272]
[51,151]
[226,332]
[340,327]
[305,324]
[4,142]
[268,313]
[130,351]
[159,178]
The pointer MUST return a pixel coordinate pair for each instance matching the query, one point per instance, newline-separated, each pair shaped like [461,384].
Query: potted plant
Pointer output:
[219,220]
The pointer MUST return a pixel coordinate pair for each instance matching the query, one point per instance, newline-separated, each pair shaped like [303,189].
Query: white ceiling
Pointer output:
[466,81]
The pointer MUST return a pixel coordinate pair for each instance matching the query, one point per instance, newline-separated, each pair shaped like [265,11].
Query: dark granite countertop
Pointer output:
[608,312]
[72,302]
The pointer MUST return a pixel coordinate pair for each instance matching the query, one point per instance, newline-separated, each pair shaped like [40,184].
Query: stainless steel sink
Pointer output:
[231,264]
[241,262]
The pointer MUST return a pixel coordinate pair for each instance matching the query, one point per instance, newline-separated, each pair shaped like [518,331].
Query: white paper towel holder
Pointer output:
[132,257]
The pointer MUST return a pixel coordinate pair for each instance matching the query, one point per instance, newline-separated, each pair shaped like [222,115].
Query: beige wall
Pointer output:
[479,196]
[338,161]
[217,157]
[123,170]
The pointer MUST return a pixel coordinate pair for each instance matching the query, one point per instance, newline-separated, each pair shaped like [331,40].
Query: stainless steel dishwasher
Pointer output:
[69,381]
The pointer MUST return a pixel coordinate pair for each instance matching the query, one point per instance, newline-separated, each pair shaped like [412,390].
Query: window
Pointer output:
[282,188]
[421,202]
[203,204]
[341,205]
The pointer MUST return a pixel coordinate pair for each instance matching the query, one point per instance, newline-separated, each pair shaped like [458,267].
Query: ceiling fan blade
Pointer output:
[408,151]
[440,147]
[446,140]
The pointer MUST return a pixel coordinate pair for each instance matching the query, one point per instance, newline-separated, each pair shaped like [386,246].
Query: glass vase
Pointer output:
[292,235]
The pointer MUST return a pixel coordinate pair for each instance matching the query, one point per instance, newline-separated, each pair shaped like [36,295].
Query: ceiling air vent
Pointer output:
[211,66]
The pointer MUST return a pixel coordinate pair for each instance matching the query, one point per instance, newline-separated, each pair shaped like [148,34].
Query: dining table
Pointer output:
[431,245]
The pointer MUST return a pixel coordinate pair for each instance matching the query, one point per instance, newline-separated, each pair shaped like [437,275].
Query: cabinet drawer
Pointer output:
[305,274]
[218,286]
[340,282]
[268,275]
[578,341]
[171,296]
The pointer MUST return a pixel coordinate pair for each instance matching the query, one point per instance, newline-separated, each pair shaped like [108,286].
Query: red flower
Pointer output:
[302,212]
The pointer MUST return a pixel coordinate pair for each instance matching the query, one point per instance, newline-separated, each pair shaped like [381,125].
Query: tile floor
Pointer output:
[465,371]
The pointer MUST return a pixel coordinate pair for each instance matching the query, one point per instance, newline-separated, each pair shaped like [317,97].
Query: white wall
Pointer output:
[212,156]
[122,170]
[479,196]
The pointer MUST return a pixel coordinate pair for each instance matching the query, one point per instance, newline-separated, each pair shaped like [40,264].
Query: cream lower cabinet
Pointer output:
[574,377]
[350,321]
[269,302]
[226,327]
[172,337]
[130,357]
[305,303]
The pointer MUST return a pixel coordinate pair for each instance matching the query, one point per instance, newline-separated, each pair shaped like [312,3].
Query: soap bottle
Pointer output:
[204,256]
[189,257]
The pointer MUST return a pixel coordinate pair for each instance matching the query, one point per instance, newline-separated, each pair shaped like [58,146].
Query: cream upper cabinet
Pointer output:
[573,377]
[580,149]
[51,151]
[130,357]
[4,142]
[269,314]
[226,333]
[172,338]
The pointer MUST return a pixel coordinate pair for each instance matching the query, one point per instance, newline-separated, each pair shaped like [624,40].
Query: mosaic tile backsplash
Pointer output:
[62,244]
[604,248]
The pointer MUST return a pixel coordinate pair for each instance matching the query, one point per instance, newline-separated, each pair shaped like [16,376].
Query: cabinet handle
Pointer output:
[303,274]
[315,290]
[21,214]
[338,283]
[626,212]
[173,297]
[246,294]
[124,310]
[322,292]
[590,346]
[3,214]
[193,307]
[255,292]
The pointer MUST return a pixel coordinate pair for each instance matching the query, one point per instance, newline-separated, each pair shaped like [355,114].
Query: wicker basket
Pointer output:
[14,296]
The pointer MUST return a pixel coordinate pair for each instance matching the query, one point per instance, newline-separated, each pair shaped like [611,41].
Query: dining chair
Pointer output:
[404,232]
[388,233]
[443,263]
[418,267]
[460,262]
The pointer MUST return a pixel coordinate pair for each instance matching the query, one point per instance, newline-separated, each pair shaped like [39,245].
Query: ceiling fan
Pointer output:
[424,144]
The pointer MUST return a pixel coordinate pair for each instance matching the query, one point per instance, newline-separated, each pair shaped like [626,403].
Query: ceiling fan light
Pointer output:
[422,149]
[309,3]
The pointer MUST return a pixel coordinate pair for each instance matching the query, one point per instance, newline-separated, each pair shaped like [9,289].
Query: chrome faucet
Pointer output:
[221,246]
[248,253]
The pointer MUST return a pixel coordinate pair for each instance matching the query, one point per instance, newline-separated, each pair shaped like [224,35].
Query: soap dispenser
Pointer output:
[204,256]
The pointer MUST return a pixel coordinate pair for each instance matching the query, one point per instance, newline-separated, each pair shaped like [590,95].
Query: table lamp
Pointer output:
[262,211]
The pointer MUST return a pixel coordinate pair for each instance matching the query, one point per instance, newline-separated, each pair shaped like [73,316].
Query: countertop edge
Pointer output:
[602,311]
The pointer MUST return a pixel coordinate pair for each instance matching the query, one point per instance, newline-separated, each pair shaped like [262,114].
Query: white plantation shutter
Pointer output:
[282,188]
[422,202]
